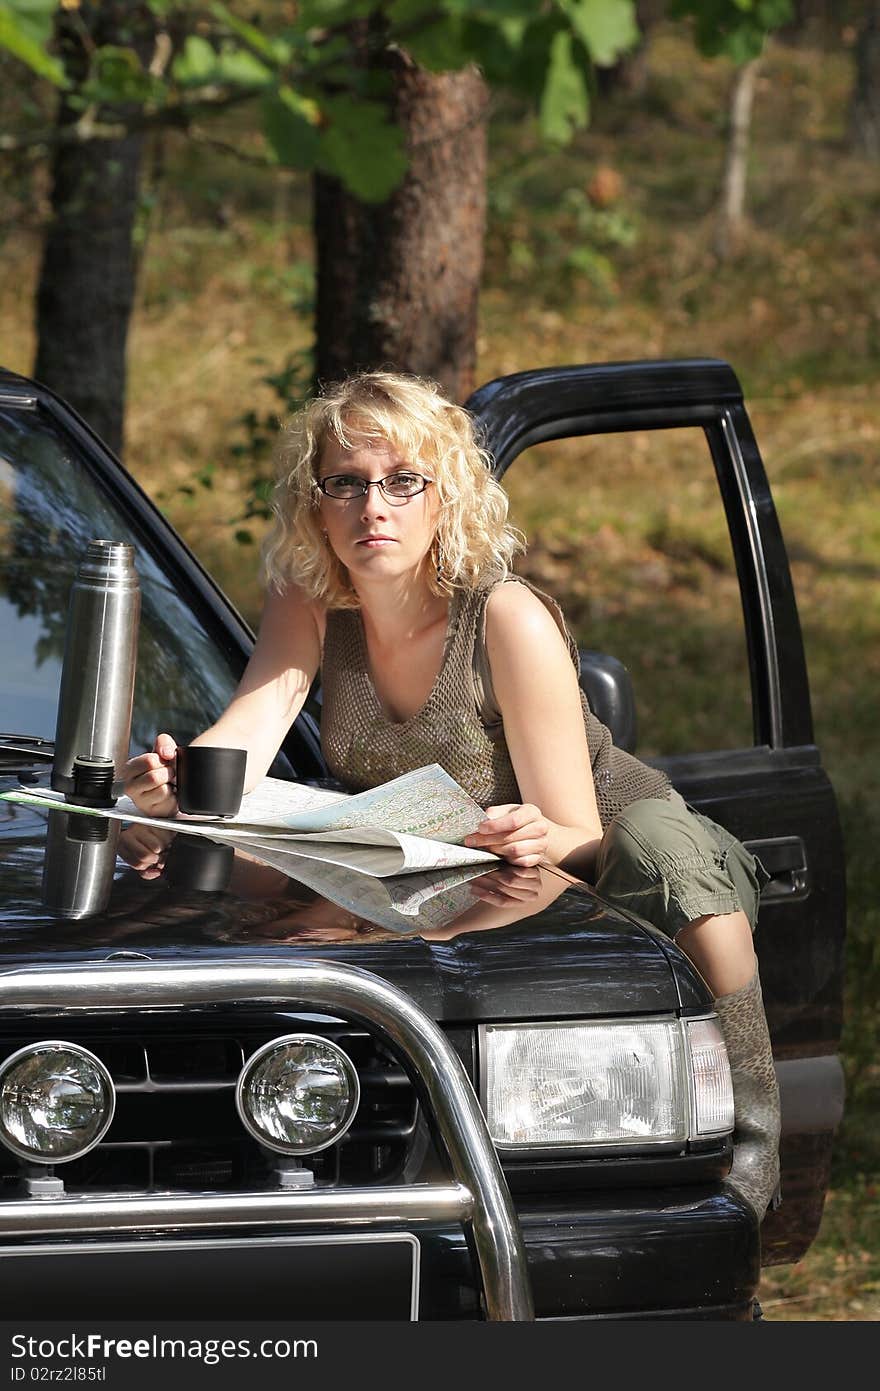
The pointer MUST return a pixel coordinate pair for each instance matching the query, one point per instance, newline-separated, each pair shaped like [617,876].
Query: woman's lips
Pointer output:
[371,541]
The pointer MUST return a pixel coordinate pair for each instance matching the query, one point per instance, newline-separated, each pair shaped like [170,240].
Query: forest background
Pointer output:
[617,239]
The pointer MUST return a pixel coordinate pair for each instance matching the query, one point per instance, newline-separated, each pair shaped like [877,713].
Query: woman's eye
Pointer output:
[343,485]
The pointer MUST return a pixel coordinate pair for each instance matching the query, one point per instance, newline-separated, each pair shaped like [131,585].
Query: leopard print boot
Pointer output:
[755,1171]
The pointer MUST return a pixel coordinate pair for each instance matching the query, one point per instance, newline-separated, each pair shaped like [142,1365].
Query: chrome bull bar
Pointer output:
[478,1197]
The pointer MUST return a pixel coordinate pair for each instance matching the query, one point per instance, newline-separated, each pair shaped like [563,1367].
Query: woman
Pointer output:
[388,569]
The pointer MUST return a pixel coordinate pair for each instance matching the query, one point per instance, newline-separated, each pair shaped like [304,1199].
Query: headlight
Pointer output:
[56,1102]
[298,1094]
[604,1085]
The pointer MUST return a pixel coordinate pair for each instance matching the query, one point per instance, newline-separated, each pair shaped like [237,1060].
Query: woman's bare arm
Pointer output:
[274,685]
[268,698]
[537,691]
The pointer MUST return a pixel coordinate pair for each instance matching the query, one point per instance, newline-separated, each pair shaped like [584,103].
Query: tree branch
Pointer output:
[179,115]
[176,116]
[224,147]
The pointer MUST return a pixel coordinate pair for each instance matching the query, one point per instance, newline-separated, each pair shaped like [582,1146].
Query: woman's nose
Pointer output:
[373,503]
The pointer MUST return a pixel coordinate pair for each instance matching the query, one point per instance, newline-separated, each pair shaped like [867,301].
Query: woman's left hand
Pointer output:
[517,831]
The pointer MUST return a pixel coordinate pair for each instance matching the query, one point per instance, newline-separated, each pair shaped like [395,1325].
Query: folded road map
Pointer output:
[413,823]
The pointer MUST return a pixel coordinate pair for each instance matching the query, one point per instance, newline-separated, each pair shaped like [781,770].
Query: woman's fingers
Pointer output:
[150,783]
[514,821]
[165,747]
[150,778]
[518,832]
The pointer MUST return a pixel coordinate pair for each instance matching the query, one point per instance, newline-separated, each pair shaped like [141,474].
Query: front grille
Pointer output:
[176,1126]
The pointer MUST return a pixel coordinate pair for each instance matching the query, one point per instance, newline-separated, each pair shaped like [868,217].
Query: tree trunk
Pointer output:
[87,276]
[398,282]
[731,212]
[865,110]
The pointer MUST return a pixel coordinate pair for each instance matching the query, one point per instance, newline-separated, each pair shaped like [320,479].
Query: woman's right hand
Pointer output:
[151,778]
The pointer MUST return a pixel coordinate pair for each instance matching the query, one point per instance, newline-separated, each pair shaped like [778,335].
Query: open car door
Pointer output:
[769,789]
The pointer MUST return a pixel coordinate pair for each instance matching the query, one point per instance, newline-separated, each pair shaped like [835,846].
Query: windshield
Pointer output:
[51,506]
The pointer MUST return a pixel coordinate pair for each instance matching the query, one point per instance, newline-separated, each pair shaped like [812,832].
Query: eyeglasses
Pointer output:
[396,487]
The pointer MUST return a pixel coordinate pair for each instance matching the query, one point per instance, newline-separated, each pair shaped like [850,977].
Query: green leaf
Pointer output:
[773,13]
[606,28]
[239,68]
[362,147]
[462,25]
[738,29]
[272,50]
[565,102]
[326,14]
[196,63]
[744,45]
[290,124]
[440,47]
[592,263]
[33,17]
[523,66]
[497,49]
[117,77]
[17,36]
[200,63]
[495,11]
[402,13]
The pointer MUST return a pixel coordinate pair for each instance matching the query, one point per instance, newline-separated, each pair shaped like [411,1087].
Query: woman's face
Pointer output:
[376,538]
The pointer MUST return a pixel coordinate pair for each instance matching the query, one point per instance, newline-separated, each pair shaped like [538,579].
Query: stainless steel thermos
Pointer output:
[100,655]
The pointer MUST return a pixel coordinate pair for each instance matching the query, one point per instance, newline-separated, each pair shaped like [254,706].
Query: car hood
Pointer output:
[545,947]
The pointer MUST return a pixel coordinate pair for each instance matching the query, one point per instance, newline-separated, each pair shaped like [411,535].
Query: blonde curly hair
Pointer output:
[474,542]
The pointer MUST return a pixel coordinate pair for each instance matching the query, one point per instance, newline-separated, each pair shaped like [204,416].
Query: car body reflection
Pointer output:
[331,904]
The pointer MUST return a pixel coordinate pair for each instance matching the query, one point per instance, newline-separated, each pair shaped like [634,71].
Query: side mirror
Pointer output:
[608,687]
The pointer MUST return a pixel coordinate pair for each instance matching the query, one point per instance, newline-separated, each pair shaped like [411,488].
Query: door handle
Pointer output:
[785,860]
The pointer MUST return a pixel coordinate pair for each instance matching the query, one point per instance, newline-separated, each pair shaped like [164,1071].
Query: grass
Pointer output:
[643,568]
[839,1278]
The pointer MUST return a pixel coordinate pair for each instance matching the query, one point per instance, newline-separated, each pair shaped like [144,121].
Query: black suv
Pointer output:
[458,1191]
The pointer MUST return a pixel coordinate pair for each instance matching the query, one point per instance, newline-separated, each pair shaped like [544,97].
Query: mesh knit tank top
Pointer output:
[459,726]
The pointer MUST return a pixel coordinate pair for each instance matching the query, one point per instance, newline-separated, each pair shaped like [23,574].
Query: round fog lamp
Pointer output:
[298,1094]
[56,1101]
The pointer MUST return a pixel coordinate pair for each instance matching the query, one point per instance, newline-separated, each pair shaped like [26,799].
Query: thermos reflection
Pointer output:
[100,654]
[79,863]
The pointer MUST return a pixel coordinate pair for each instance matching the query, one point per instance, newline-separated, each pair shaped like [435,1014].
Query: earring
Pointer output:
[440,561]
